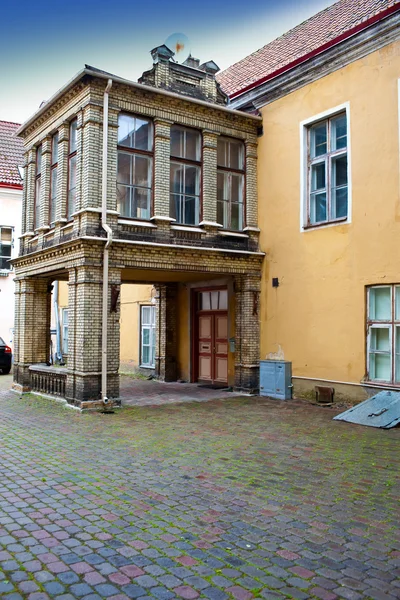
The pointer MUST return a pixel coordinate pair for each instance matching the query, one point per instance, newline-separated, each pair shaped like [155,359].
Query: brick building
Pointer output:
[151,182]
[11,161]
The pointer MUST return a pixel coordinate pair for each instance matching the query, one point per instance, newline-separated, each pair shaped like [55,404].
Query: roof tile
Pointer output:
[11,154]
[307,37]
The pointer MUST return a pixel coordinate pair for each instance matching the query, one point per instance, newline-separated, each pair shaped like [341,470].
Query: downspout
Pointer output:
[59,357]
[108,230]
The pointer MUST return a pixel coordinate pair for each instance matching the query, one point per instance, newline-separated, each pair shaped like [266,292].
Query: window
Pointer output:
[213,300]
[135,166]
[230,183]
[383,339]
[185,175]
[327,196]
[71,195]
[38,187]
[53,178]
[6,240]
[65,330]
[147,336]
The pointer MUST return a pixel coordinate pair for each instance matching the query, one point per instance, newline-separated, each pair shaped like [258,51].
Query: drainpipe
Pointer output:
[108,230]
[59,358]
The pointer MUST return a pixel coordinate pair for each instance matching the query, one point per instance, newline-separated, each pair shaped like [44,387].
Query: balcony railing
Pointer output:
[171,237]
[48,380]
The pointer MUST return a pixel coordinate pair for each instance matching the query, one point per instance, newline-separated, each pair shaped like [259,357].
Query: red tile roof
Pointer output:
[11,154]
[297,44]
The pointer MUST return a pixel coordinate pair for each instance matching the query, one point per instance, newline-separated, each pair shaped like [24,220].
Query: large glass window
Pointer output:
[38,187]
[383,340]
[327,171]
[71,197]
[185,175]
[135,166]
[230,183]
[53,179]
[6,240]
[147,336]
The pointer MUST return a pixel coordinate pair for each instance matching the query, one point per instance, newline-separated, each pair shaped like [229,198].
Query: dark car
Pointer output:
[5,357]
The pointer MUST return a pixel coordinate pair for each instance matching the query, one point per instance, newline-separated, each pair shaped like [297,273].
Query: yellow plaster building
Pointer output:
[328,195]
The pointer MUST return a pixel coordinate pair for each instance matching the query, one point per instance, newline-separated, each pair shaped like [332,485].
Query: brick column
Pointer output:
[161,165]
[166,332]
[32,327]
[43,224]
[209,172]
[84,334]
[30,190]
[251,182]
[247,334]
[62,178]
[91,149]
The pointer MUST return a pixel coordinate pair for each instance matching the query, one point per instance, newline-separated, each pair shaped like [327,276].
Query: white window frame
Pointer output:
[304,171]
[152,328]
[10,267]
[65,330]
[391,324]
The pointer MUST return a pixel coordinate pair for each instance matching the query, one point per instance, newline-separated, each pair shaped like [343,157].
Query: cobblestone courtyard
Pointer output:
[235,498]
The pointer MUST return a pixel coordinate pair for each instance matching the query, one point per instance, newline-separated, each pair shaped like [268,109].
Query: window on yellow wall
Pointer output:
[147,336]
[383,333]
[327,197]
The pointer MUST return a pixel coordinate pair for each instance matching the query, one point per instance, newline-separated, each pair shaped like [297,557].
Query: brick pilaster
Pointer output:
[32,327]
[161,166]
[209,214]
[166,332]
[85,334]
[251,183]
[247,334]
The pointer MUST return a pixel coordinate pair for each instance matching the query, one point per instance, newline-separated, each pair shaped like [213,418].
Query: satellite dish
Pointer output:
[180,44]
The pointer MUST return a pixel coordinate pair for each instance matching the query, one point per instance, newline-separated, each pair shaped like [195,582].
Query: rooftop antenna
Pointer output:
[179,43]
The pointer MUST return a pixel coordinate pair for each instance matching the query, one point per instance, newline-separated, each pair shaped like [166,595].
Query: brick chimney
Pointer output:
[189,78]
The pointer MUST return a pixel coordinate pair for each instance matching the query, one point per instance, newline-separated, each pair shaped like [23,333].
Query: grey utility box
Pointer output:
[276,379]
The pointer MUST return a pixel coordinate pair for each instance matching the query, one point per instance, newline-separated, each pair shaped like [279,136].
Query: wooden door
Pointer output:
[213,347]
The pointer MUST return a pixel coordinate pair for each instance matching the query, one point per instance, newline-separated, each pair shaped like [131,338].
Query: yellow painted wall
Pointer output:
[183,332]
[317,314]
[63,294]
[132,296]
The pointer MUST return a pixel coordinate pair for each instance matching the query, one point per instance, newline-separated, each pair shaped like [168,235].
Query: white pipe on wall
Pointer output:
[108,230]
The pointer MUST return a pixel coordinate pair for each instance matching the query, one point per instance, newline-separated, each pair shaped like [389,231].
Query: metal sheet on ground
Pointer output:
[382,410]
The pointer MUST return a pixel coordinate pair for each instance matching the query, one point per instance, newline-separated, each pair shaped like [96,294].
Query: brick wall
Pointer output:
[74,251]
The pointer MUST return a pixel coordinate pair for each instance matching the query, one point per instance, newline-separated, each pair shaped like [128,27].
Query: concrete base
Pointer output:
[344,392]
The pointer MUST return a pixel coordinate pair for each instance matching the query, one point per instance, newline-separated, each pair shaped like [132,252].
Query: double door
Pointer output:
[213,347]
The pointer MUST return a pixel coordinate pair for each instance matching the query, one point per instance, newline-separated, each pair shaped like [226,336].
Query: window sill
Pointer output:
[5,272]
[67,226]
[147,367]
[190,228]
[326,224]
[135,223]
[233,234]
[382,384]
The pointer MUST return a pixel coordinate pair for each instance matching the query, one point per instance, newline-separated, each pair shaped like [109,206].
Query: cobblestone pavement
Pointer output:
[142,392]
[239,498]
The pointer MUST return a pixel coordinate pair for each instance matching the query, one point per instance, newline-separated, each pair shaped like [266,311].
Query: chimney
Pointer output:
[161,54]
[189,78]
[192,62]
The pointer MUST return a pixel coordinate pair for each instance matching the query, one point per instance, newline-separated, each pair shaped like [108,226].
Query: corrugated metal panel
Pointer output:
[382,410]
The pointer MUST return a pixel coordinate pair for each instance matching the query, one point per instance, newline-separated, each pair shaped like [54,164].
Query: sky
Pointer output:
[44,43]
